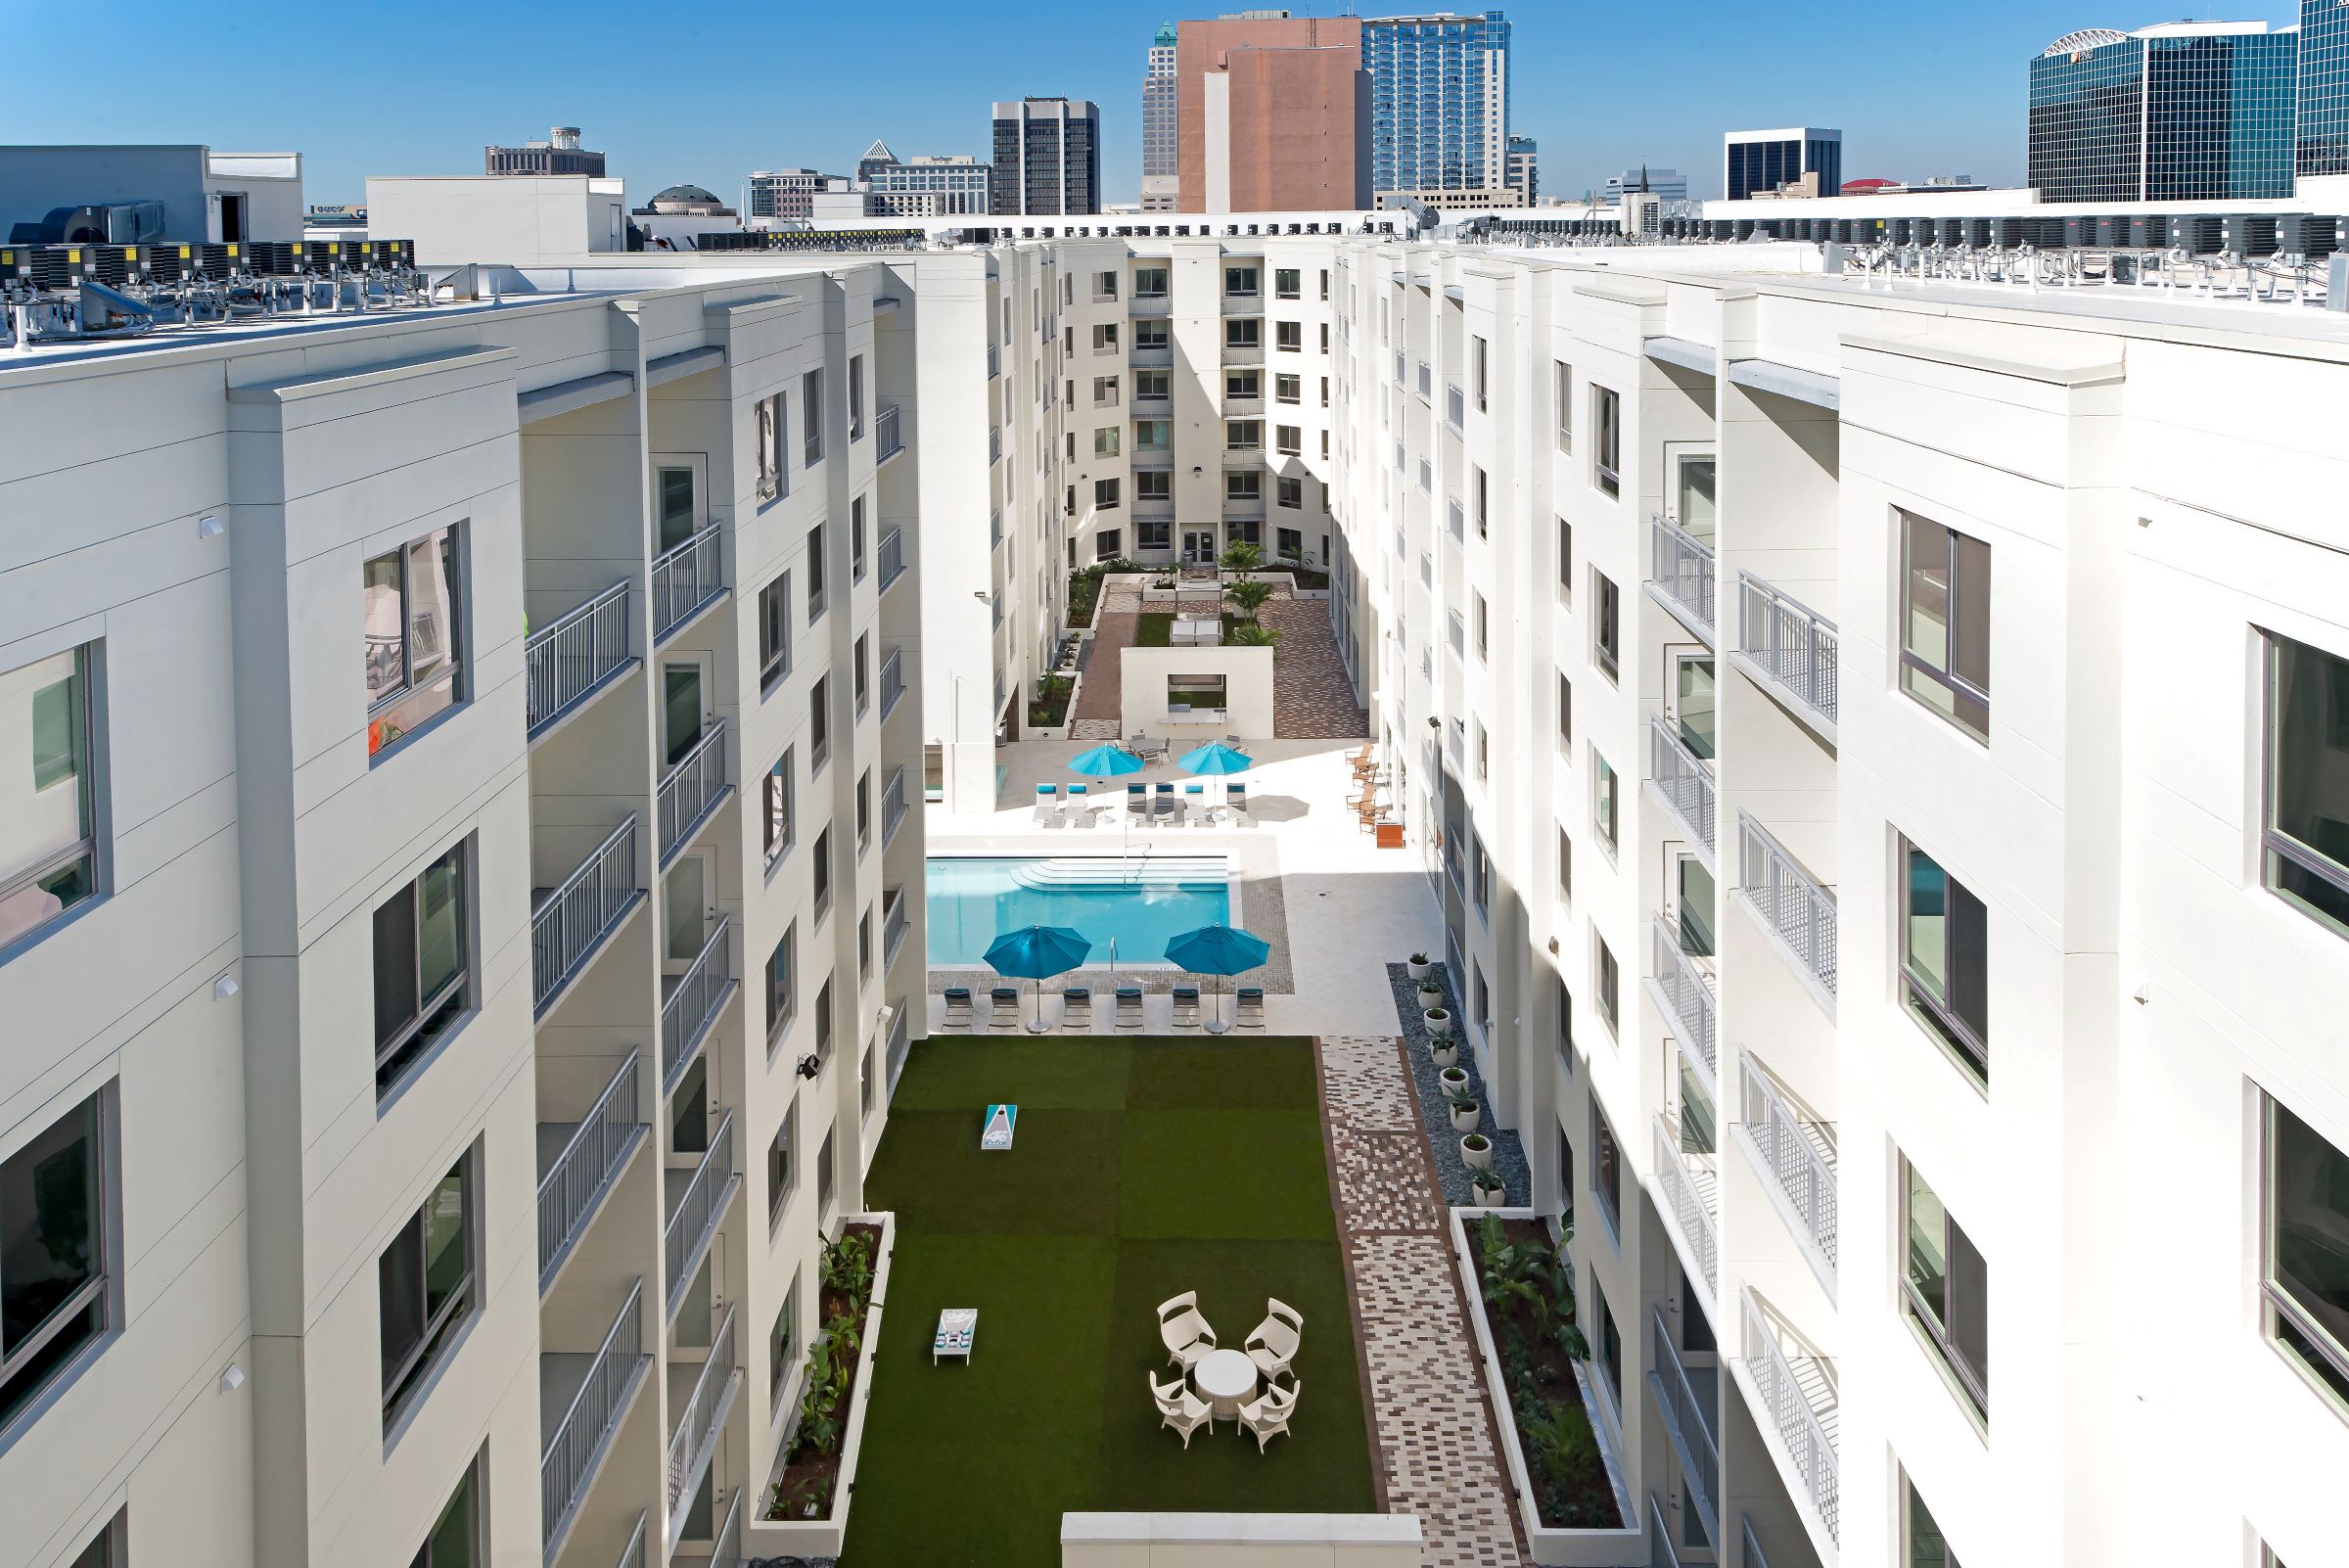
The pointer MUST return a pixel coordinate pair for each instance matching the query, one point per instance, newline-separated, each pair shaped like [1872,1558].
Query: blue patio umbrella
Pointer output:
[1105,761]
[1218,951]
[1217,758]
[1038,952]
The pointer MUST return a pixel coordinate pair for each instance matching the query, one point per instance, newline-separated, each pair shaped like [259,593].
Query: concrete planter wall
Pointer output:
[1240,1540]
[1626,1548]
[762,1536]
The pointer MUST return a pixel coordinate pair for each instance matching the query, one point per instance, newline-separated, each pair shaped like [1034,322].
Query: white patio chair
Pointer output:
[1186,1335]
[1274,1343]
[1181,1408]
[1267,1417]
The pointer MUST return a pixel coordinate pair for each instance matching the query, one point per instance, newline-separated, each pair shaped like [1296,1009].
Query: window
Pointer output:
[421,968]
[1945,958]
[1289,492]
[1243,434]
[1243,384]
[1484,504]
[1106,544]
[782,983]
[1483,627]
[1152,384]
[864,810]
[1325,283]
[111,1549]
[811,414]
[1105,338]
[1924,1545]
[1325,391]
[778,832]
[823,1019]
[1606,1169]
[780,1339]
[816,574]
[855,398]
[774,633]
[1288,440]
[2306,1278]
[49,818]
[1288,389]
[1105,492]
[1289,336]
[1151,534]
[1153,435]
[819,724]
[1945,624]
[860,681]
[2306,841]
[1565,561]
[1608,1343]
[822,889]
[456,1538]
[1152,334]
[857,540]
[1285,283]
[1154,485]
[1562,395]
[1149,283]
[1606,461]
[1565,865]
[1945,1285]
[1609,988]
[1606,625]
[774,475]
[1240,282]
[1105,392]
[1476,370]
[1565,1144]
[1288,543]
[825,1176]
[1480,877]
[1325,337]
[415,655]
[1105,440]
[1105,285]
[1244,332]
[1185,693]
[56,1256]
[1565,710]
[1602,800]
[1243,484]
[426,1285]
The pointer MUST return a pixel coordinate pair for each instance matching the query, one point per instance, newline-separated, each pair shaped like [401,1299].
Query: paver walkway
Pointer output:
[1113,634]
[1311,699]
[1437,1448]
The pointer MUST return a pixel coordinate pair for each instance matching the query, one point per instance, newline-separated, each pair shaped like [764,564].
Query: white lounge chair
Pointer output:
[1047,805]
[1274,1343]
[1178,1407]
[1267,1417]
[1186,1335]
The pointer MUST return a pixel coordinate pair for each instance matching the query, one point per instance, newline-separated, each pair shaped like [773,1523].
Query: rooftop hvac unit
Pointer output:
[2076,230]
[2201,234]
[101,223]
[1903,230]
[270,258]
[2249,233]
[1730,229]
[2147,232]
[2108,230]
[2299,234]
[1977,231]
[2006,233]
[1950,231]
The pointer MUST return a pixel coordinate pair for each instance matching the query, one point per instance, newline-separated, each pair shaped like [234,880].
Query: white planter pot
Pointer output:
[1437,1021]
[1488,1197]
[1418,971]
[1476,1159]
[1466,1120]
[1445,1052]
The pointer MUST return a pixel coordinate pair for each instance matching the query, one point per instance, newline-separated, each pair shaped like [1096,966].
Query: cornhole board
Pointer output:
[1000,1121]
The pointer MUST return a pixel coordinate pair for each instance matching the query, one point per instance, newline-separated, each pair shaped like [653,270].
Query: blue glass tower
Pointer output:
[2180,112]
[2324,139]
[1439,101]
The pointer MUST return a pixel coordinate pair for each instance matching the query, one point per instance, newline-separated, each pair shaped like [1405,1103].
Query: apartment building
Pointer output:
[460,913]
[1875,1019]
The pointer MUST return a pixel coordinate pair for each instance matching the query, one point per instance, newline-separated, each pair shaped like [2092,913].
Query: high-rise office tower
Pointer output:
[924,185]
[1160,170]
[2324,90]
[1047,157]
[1525,173]
[1669,183]
[1439,106]
[2183,112]
[1757,162]
[1272,114]
[559,154]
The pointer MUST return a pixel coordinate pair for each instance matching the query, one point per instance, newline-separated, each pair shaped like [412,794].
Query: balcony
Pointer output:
[686,580]
[725,1548]
[1684,783]
[691,1001]
[1798,1152]
[1690,1187]
[578,1162]
[995,530]
[1680,575]
[1685,996]
[569,662]
[994,445]
[1796,1408]
[1402,371]
[1455,405]
[893,680]
[1791,905]
[994,361]
[1455,519]
[1687,1401]
[893,925]
[893,805]
[1244,354]
[885,427]
[1427,382]
[1790,648]
[893,556]
[1458,631]
[571,921]
[592,1391]
[690,790]
[702,1396]
[694,1213]
[1662,1550]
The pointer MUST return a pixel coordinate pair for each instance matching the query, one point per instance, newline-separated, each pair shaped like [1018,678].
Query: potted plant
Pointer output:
[1437,1021]
[1418,966]
[1486,1185]
[1476,1152]
[1444,1049]
[1452,1081]
[1465,1111]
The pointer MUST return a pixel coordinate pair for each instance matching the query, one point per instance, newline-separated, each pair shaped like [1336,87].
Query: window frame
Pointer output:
[1939,1330]
[1958,588]
[87,851]
[1606,450]
[2326,1371]
[782,1168]
[413,1045]
[785,956]
[2279,849]
[779,827]
[440,1332]
[96,1303]
[1606,625]
[1956,1035]
[1605,1184]
[455,673]
[775,621]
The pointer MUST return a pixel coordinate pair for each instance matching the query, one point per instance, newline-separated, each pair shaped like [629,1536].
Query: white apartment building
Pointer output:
[457,872]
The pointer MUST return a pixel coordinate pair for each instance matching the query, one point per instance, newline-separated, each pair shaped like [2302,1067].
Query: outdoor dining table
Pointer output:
[1225,1380]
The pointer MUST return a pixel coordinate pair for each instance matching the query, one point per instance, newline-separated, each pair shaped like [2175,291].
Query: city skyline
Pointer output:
[1734,69]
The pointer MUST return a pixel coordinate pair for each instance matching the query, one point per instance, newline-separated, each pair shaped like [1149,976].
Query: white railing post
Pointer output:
[1680,566]
[885,425]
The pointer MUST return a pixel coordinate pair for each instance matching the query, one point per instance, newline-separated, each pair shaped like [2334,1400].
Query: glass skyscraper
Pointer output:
[2186,111]
[1158,105]
[1439,101]
[2323,140]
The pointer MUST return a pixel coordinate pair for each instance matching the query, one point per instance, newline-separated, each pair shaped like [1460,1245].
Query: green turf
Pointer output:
[1144,1167]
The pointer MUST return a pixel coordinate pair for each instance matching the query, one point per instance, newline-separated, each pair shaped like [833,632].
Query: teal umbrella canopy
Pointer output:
[1218,951]
[1217,758]
[1105,761]
[1038,952]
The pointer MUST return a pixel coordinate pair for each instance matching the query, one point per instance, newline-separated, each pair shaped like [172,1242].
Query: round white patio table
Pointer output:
[1224,1379]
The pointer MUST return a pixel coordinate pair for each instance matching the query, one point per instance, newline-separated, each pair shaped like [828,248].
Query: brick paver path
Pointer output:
[1113,634]
[1312,698]
[1437,1451]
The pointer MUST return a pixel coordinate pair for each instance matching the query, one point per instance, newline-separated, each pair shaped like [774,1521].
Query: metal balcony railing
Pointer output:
[1794,644]
[698,1210]
[995,530]
[1459,630]
[995,444]
[1688,1203]
[1680,571]
[1455,404]
[698,1421]
[900,1041]
[994,361]
[566,661]
[632,1555]
[726,1550]
[1684,782]
[893,803]
[893,925]
[1798,1152]
[1427,381]
[893,556]
[575,1184]
[1797,1385]
[572,920]
[1687,1423]
[1789,901]
[1457,518]
[994,608]
[571,1456]
[1753,1548]
[884,427]
[1402,370]
[1687,997]
[694,1000]
[893,679]
[688,790]
[685,578]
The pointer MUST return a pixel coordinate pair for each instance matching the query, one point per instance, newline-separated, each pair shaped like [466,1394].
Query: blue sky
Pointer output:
[704,94]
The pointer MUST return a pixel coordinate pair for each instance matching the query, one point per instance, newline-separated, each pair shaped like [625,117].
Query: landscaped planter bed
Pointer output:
[805,1512]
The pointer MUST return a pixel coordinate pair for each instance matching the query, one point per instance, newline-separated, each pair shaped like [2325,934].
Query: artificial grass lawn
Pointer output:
[1155,628]
[1142,1167]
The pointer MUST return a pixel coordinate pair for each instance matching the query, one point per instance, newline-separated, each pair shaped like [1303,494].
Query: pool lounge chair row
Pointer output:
[1004,1009]
[1198,804]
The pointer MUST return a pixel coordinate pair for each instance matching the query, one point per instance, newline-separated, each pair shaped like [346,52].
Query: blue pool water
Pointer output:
[1139,904]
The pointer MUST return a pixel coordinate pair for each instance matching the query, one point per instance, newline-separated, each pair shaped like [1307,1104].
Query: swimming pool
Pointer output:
[1137,903]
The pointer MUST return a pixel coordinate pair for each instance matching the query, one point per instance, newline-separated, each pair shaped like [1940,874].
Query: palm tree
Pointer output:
[1248,597]
[1242,557]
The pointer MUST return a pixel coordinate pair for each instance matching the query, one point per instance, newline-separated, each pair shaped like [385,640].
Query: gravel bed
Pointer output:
[1508,1150]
